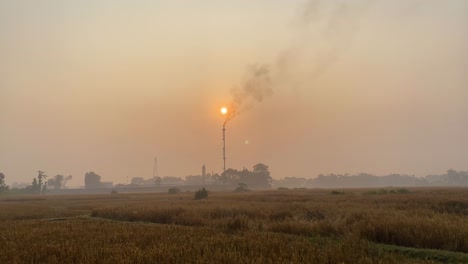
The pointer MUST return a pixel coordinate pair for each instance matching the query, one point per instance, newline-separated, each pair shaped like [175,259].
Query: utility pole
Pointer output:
[224,146]
[155,168]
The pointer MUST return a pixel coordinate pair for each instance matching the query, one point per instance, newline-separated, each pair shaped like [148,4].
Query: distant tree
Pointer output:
[44,188]
[40,181]
[258,178]
[51,182]
[59,181]
[261,168]
[456,178]
[216,178]
[64,185]
[262,176]
[242,188]
[230,176]
[56,182]
[157,180]
[137,180]
[35,188]
[92,180]
[3,186]
[38,185]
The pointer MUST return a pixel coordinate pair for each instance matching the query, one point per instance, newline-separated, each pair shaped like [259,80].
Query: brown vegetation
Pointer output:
[294,226]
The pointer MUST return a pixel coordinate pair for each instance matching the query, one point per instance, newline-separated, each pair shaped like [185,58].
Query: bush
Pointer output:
[173,190]
[377,192]
[238,224]
[242,188]
[201,194]
[114,192]
[282,188]
[336,193]
[402,190]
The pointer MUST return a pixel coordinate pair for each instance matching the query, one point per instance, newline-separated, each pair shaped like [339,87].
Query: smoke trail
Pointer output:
[330,22]
[255,88]
[326,30]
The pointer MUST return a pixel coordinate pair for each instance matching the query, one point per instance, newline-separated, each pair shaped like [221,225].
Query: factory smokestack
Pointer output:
[330,23]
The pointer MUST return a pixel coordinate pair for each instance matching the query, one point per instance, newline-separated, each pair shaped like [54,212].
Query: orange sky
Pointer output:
[106,86]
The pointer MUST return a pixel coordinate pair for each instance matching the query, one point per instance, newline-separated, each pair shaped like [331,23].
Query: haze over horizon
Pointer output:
[347,87]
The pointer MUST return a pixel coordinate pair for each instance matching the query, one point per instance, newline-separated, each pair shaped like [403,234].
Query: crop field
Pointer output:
[278,226]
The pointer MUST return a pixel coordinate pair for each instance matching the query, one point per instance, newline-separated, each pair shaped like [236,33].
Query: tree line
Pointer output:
[39,185]
[362,180]
[258,178]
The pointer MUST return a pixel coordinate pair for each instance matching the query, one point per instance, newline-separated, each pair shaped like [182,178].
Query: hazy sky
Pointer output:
[107,85]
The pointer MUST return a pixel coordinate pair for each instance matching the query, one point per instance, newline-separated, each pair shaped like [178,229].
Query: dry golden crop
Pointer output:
[293,226]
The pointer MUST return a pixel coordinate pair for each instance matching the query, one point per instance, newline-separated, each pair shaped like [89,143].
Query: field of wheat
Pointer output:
[277,226]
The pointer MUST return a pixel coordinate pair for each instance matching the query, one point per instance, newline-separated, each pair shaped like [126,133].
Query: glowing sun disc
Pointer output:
[224,110]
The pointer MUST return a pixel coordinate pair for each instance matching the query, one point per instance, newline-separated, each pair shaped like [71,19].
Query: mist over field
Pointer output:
[313,87]
[234,131]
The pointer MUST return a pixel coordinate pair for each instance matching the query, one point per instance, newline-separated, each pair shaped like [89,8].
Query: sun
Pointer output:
[224,110]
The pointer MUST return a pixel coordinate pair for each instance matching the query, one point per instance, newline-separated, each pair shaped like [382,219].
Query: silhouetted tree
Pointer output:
[51,182]
[92,180]
[262,176]
[35,188]
[137,180]
[216,178]
[57,182]
[157,180]
[261,168]
[3,186]
[40,180]
[69,177]
[38,185]
[456,178]
[230,176]
[258,178]
[242,188]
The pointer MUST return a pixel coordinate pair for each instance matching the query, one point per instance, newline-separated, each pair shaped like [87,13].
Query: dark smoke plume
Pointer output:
[255,88]
[331,22]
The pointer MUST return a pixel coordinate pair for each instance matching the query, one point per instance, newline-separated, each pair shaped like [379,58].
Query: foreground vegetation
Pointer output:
[287,226]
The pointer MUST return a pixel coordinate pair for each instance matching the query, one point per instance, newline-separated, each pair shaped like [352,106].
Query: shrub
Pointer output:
[238,224]
[173,190]
[282,188]
[242,188]
[114,192]
[336,193]
[201,194]
[281,215]
[377,192]
[402,190]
